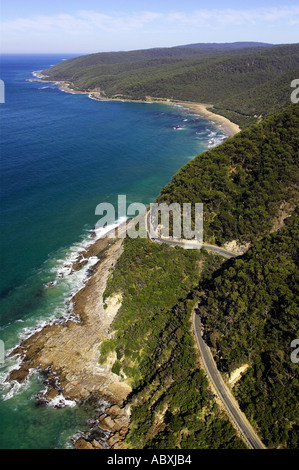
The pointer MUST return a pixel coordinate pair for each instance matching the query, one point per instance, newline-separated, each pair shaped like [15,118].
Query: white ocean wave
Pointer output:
[216,141]
[60,402]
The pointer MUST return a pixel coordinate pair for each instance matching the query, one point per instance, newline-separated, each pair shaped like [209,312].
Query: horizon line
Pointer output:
[149,48]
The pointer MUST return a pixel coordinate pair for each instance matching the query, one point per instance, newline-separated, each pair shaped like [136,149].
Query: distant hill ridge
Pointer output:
[228,45]
[184,52]
[239,81]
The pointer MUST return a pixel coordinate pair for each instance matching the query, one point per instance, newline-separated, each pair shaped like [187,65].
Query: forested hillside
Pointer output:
[248,305]
[252,105]
[247,183]
[192,51]
[171,406]
[250,312]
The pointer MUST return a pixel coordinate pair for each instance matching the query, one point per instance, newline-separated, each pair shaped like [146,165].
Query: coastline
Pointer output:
[230,128]
[68,353]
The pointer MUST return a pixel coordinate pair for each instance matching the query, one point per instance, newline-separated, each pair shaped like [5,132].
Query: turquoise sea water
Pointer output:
[61,155]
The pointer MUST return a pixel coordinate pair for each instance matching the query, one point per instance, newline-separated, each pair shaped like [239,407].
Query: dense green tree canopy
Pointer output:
[245,182]
[242,83]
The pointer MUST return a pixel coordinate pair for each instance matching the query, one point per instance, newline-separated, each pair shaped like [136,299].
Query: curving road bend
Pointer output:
[221,389]
[188,244]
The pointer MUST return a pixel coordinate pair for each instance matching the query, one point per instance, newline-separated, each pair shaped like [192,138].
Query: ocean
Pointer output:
[63,154]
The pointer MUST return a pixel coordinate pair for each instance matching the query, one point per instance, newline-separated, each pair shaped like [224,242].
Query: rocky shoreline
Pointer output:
[115,422]
[67,353]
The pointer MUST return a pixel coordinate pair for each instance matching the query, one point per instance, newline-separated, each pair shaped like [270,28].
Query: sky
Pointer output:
[87,26]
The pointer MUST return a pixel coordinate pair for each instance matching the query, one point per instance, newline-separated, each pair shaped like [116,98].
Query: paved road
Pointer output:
[191,244]
[210,367]
[223,391]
